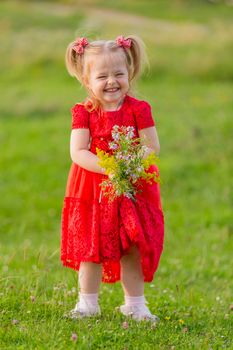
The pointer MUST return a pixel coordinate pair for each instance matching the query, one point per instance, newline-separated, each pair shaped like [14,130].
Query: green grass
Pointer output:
[190,89]
[188,10]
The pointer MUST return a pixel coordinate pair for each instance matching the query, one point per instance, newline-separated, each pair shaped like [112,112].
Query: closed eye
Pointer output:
[101,77]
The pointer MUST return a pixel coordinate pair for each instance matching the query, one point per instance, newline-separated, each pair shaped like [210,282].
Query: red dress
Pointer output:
[96,230]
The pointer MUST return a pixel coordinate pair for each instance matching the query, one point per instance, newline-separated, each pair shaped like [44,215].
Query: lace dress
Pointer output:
[96,230]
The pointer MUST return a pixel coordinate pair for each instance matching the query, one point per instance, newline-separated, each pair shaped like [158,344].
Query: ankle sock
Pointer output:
[88,300]
[133,301]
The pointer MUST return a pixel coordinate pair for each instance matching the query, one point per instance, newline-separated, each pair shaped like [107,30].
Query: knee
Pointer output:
[131,256]
[134,252]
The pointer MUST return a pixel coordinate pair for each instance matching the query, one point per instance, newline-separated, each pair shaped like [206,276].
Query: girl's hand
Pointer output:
[150,139]
[148,151]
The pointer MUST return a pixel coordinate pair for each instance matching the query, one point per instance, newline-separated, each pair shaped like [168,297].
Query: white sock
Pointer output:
[132,301]
[88,300]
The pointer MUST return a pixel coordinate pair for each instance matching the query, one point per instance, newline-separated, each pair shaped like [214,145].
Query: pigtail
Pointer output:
[74,62]
[136,56]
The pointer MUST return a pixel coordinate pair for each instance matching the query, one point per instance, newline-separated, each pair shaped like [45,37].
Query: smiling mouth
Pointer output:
[111,90]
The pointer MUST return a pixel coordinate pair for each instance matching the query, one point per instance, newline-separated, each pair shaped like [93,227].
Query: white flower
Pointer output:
[115,136]
[113,145]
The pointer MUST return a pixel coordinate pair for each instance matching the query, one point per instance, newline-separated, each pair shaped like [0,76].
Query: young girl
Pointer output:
[109,240]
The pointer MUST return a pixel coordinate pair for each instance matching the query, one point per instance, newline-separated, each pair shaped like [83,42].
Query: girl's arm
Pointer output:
[150,139]
[79,151]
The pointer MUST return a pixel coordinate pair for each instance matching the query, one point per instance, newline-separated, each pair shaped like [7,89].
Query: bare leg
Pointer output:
[131,273]
[89,277]
[133,285]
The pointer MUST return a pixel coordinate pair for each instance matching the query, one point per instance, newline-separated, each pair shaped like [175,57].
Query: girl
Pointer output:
[103,240]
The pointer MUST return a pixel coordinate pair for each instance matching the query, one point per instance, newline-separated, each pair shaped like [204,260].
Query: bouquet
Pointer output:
[125,164]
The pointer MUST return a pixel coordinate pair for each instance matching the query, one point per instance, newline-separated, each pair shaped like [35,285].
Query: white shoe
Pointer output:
[139,313]
[81,312]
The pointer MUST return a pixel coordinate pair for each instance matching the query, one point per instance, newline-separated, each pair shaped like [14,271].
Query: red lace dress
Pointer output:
[96,230]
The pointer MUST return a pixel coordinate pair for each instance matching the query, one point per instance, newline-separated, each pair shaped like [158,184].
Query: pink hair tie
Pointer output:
[125,43]
[79,45]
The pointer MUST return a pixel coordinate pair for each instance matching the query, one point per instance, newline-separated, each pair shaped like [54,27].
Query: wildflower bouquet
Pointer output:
[126,164]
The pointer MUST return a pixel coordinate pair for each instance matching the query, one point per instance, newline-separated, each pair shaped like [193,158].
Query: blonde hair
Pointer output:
[135,57]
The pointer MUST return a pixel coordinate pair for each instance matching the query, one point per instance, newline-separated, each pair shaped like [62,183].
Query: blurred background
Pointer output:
[189,85]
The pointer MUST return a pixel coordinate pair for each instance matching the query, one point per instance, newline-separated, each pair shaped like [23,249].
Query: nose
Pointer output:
[111,80]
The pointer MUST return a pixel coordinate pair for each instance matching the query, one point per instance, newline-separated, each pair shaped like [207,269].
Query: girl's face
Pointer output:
[108,79]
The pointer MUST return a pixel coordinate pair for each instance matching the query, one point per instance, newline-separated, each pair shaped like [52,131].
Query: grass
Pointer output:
[189,10]
[190,89]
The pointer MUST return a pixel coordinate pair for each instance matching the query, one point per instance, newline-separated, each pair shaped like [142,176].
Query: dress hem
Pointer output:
[69,264]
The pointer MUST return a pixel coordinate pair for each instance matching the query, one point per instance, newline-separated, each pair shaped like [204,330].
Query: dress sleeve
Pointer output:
[143,115]
[80,117]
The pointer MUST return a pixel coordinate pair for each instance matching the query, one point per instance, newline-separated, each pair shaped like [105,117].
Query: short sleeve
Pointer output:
[143,115]
[80,117]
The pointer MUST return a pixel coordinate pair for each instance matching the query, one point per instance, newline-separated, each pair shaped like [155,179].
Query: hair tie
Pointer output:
[125,43]
[79,45]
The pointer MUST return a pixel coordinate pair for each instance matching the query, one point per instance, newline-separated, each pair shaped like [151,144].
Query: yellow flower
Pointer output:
[181,321]
[150,160]
[167,318]
[106,161]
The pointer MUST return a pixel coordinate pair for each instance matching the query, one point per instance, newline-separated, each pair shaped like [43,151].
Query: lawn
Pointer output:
[189,86]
